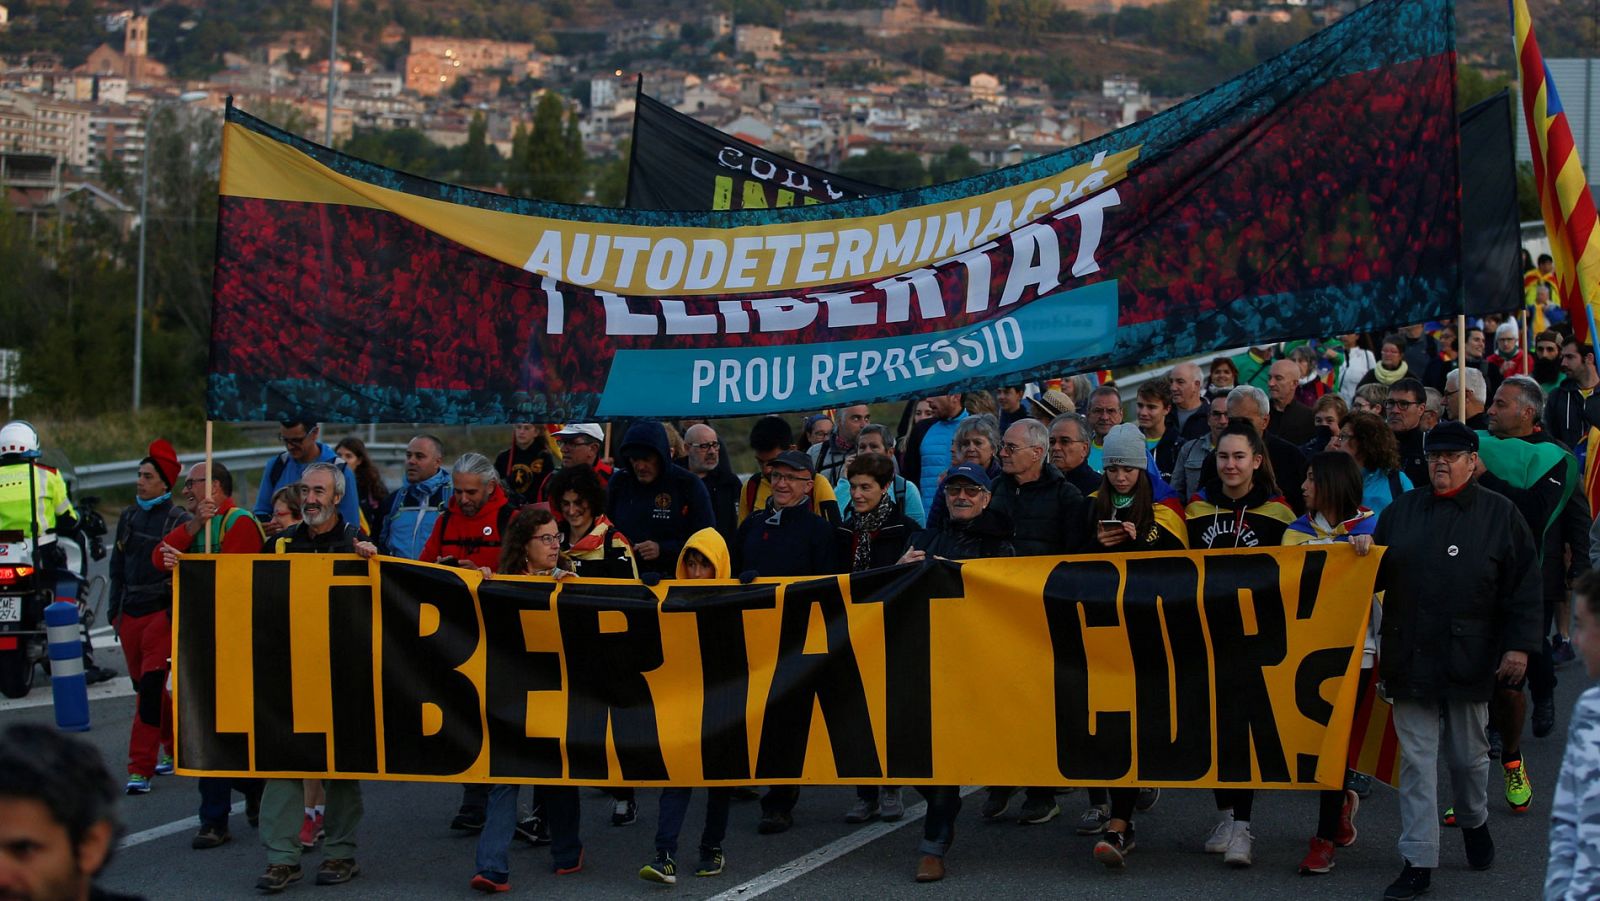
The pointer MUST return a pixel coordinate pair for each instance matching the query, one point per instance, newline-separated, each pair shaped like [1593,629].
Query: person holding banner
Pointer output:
[705,556]
[1124,516]
[322,530]
[971,530]
[655,502]
[1242,508]
[1461,611]
[874,536]
[1333,488]
[532,548]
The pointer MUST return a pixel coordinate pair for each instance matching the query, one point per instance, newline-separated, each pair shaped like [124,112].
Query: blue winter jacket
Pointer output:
[410,514]
[667,510]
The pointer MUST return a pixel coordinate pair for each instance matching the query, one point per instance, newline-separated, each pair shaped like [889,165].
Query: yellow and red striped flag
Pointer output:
[1564,198]
[1374,746]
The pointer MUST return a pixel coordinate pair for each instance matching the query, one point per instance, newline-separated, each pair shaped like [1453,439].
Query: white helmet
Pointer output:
[18,437]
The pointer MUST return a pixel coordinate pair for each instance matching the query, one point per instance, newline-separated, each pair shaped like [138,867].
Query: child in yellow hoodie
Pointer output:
[704,556]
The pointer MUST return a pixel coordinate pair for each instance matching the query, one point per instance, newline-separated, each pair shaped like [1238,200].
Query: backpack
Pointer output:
[473,543]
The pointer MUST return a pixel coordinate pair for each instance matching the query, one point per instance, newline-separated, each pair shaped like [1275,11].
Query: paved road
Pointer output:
[407,851]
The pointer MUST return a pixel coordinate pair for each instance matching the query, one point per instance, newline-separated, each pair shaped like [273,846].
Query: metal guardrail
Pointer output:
[101,476]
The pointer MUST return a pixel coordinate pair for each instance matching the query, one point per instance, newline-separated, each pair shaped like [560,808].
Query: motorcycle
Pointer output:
[31,578]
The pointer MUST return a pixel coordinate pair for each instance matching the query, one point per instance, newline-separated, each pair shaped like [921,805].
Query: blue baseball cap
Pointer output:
[971,472]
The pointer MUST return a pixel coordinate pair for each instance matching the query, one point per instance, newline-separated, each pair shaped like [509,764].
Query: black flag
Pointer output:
[1490,235]
[680,163]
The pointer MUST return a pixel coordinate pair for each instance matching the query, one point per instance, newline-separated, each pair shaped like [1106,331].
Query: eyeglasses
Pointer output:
[1445,456]
[548,540]
[780,478]
[1104,411]
[957,489]
[576,442]
[1219,414]
[296,441]
[1010,448]
[706,446]
[190,483]
[1063,442]
[1393,404]
[1342,438]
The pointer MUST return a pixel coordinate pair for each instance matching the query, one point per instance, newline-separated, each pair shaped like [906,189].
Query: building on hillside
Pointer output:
[435,64]
[133,62]
[39,188]
[115,133]
[641,34]
[758,40]
[33,123]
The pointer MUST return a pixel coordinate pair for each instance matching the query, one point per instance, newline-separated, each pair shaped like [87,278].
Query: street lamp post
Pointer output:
[333,60]
[144,209]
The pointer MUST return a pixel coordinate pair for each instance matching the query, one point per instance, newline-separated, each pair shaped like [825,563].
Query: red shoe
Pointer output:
[567,871]
[310,831]
[1347,820]
[1319,859]
[484,884]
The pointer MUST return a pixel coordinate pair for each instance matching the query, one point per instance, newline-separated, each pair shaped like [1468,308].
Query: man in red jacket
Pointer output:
[232,530]
[468,532]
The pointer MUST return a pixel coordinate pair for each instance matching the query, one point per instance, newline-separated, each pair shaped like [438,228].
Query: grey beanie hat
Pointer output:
[1124,446]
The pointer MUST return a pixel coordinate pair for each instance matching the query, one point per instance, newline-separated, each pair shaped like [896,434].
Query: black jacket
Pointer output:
[341,539]
[1046,514]
[1288,470]
[1084,478]
[722,486]
[138,588]
[1568,415]
[1295,423]
[1412,462]
[888,542]
[1197,425]
[1461,585]
[987,536]
[799,543]
[667,510]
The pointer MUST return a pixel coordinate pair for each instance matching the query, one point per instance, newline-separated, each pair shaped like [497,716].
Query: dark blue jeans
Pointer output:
[216,797]
[675,806]
[939,826]
[560,804]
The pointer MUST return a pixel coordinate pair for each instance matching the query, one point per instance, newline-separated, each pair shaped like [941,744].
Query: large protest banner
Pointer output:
[1316,193]
[1233,668]
[677,162]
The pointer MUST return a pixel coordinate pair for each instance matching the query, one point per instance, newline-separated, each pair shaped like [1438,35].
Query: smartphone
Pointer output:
[1110,523]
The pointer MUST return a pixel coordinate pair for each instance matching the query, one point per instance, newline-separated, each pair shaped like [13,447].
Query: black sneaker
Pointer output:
[662,870]
[1147,799]
[252,808]
[533,830]
[624,813]
[209,837]
[1544,717]
[1037,811]
[1495,744]
[1411,883]
[468,820]
[775,822]
[711,863]
[994,807]
[1480,847]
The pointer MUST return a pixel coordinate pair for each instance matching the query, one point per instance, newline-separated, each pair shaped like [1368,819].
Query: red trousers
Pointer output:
[146,644]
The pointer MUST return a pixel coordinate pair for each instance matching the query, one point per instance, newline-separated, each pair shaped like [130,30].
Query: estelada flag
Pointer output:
[1374,746]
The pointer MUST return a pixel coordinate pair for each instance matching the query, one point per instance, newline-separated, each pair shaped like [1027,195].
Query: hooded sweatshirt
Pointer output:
[667,510]
[708,542]
[1256,520]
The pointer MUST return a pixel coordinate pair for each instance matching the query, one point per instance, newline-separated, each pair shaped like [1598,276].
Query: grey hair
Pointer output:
[875,428]
[984,423]
[1476,387]
[1079,388]
[1037,434]
[1251,393]
[334,472]
[1076,419]
[475,464]
[1433,398]
[1532,395]
[1112,390]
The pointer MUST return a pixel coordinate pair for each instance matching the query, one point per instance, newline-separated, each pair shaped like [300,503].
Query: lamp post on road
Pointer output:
[333,61]
[144,208]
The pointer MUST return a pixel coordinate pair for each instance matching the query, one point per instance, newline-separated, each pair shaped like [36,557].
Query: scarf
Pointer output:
[151,504]
[864,526]
[1386,376]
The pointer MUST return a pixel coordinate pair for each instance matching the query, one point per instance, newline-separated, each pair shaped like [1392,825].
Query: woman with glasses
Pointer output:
[593,547]
[1370,398]
[1124,517]
[532,547]
[1242,508]
[1392,365]
[1368,441]
[1334,513]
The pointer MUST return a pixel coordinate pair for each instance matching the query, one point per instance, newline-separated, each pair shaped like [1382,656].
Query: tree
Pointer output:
[555,162]
[611,178]
[480,163]
[890,168]
[955,163]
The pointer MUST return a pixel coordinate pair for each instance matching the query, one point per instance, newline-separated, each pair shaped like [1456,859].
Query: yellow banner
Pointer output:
[1214,669]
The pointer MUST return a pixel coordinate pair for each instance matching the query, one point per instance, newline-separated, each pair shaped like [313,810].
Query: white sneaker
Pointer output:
[890,806]
[1238,851]
[1217,841]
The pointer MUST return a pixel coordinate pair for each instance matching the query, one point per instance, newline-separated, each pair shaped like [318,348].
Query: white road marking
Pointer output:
[120,687]
[184,825]
[824,855]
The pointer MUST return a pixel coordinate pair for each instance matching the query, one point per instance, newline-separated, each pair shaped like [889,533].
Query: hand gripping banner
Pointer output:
[1224,668]
[1315,194]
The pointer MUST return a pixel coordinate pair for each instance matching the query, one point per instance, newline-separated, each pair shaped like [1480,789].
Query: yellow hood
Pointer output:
[710,543]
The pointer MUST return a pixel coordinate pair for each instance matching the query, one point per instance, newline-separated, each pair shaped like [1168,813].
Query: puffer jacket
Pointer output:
[1461,583]
[1046,514]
